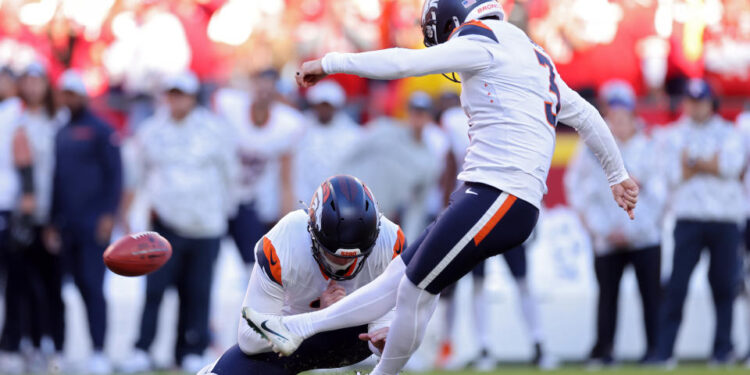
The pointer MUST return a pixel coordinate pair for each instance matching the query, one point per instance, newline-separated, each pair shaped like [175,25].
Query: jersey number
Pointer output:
[551,116]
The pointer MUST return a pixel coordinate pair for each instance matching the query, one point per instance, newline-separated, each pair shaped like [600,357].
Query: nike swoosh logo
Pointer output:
[265,327]
[273,260]
[472,192]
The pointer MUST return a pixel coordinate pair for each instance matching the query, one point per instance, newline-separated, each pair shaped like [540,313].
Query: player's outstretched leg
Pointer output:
[365,305]
[481,221]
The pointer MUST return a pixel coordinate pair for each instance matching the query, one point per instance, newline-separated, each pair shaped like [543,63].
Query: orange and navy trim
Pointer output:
[475,28]
[348,271]
[400,244]
[487,228]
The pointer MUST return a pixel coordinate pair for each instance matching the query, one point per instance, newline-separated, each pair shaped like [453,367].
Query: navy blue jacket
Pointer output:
[88,171]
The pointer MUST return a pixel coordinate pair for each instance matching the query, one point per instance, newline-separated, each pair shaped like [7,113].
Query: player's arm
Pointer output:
[461,54]
[264,294]
[585,119]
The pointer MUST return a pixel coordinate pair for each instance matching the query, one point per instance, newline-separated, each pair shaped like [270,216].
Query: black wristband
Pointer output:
[27,179]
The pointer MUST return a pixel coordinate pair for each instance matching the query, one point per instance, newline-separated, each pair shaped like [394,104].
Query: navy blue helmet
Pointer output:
[344,225]
[441,17]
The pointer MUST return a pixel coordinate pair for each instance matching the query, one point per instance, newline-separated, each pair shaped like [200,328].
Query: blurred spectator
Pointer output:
[427,199]
[486,359]
[186,165]
[329,134]
[10,361]
[446,101]
[389,151]
[265,132]
[707,157]
[743,124]
[35,272]
[86,194]
[618,241]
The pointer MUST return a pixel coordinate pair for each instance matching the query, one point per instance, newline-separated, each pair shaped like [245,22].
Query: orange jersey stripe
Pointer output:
[398,247]
[273,260]
[487,228]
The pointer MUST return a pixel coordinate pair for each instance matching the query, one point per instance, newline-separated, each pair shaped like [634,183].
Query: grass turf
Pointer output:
[698,369]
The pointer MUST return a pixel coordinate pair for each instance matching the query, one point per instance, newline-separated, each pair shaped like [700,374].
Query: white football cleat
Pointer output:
[272,329]
[98,363]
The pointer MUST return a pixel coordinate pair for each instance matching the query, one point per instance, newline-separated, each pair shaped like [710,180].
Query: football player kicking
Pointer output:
[351,245]
[514,99]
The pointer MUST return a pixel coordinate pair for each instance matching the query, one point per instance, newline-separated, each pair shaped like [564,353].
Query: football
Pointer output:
[137,254]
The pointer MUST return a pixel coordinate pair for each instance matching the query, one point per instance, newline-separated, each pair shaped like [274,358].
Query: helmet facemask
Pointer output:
[429,27]
[339,272]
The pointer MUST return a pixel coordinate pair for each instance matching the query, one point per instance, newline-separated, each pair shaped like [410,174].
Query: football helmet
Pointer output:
[344,225]
[441,17]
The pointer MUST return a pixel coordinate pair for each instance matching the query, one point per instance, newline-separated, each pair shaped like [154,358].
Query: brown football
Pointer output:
[137,254]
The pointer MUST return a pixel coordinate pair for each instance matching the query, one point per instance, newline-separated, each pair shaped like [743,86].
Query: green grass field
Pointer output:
[697,369]
[619,370]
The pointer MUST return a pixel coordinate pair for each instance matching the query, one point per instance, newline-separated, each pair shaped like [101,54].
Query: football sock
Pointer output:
[413,311]
[450,316]
[365,305]
[480,313]
[530,310]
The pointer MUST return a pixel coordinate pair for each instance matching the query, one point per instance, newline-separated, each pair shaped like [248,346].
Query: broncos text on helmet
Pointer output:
[441,17]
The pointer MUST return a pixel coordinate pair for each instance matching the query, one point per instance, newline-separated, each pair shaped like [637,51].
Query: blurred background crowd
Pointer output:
[183,117]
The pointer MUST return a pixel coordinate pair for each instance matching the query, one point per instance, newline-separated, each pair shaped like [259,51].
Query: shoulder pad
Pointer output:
[476,28]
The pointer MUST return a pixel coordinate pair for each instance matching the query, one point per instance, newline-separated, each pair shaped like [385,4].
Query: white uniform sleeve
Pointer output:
[461,54]
[583,117]
[264,296]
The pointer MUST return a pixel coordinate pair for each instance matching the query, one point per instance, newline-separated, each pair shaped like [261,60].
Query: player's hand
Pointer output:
[377,338]
[333,293]
[310,73]
[626,196]
[51,238]
[104,228]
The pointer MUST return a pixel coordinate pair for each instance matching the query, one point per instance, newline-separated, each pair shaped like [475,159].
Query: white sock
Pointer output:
[450,316]
[365,305]
[530,311]
[480,313]
[413,311]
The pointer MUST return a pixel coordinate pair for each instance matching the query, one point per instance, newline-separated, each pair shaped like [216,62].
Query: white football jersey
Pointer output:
[513,97]
[286,279]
